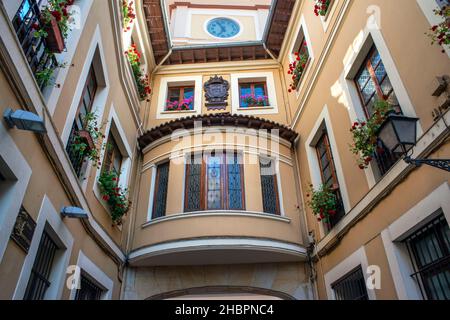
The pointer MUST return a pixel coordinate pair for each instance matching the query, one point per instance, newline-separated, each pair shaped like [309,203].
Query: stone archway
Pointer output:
[223,293]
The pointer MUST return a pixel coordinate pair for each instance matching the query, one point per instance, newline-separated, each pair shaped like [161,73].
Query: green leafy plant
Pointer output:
[115,196]
[128,15]
[440,33]
[323,202]
[321,7]
[45,76]
[142,79]
[58,10]
[86,142]
[365,133]
[297,68]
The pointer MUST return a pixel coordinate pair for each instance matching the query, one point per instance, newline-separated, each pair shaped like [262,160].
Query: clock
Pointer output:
[223,28]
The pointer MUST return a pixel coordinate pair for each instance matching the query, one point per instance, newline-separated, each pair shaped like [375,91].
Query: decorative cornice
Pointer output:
[216,120]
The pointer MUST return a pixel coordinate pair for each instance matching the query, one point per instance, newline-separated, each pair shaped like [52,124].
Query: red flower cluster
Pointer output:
[440,33]
[321,7]
[297,68]
[142,80]
[128,15]
[62,10]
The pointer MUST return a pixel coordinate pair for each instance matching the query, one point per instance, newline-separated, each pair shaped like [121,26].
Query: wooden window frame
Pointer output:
[111,158]
[225,201]
[181,90]
[367,64]
[330,159]
[91,75]
[252,90]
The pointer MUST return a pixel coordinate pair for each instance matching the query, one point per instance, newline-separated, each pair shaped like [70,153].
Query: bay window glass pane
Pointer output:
[161,187]
[214,178]
[234,183]
[193,184]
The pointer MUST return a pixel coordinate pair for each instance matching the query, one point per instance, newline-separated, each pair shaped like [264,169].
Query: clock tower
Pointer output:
[198,22]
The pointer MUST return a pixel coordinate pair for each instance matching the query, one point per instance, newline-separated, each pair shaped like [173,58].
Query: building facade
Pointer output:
[211,184]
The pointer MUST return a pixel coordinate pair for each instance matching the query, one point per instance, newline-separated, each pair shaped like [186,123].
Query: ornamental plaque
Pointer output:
[216,93]
[23,231]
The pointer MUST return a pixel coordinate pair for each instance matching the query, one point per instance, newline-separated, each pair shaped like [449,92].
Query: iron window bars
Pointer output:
[39,280]
[429,249]
[88,289]
[351,287]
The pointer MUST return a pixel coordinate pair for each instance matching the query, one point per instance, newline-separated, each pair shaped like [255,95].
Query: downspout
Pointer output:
[152,75]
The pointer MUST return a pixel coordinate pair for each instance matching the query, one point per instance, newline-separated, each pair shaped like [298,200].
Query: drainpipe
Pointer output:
[147,111]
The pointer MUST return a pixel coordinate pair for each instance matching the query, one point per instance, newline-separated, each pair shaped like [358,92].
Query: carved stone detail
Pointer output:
[216,93]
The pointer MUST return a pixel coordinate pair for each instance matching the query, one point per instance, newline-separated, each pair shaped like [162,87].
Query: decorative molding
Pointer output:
[216,244]
[218,213]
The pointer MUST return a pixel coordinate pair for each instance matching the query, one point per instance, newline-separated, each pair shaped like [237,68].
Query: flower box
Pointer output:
[54,40]
[87,138]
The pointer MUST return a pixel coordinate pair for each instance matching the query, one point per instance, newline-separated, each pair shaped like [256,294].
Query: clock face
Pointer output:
[223,28]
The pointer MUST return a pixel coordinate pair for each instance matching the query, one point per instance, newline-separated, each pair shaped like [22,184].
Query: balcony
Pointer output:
[217,237]
[36,49]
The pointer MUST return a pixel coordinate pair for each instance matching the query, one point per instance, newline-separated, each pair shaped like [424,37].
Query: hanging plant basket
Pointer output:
[54,39]
[87,138]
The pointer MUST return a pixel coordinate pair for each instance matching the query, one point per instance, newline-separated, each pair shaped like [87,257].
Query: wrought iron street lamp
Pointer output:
[399,135]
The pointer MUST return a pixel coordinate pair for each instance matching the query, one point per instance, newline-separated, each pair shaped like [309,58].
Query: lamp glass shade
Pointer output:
[25,120]
[399,133]
[388,136]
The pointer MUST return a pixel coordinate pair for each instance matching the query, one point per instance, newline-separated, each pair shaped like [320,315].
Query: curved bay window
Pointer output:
[214,181]
[373,84]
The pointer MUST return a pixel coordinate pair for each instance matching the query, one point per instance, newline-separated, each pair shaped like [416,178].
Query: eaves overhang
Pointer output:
[165,53]
[216,120]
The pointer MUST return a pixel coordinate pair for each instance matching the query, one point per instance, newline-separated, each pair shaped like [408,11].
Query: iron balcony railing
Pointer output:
[35,49]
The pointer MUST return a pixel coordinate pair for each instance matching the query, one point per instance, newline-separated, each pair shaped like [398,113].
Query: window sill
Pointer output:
[178,111]
[256,108]
[216,213]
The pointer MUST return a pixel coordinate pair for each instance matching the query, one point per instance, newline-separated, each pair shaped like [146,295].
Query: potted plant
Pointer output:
[115,196]
[365,133]
[321,7]
[141,79]
[54,24]
[128,15]
[440,33]
[85,142]
[323,202]
[297,68]
[255,101]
